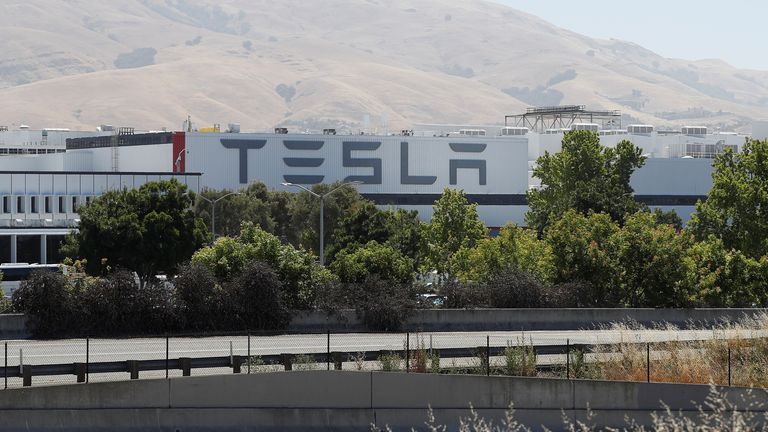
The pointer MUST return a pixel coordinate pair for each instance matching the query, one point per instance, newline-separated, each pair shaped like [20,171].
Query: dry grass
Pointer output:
[691,361]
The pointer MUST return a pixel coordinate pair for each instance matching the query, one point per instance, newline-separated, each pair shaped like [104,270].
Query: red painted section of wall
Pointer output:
[179,147]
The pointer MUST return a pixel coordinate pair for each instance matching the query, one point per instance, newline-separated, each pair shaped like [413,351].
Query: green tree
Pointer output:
[455,225]
[585,250]
[723,277]
[735,209]
[514,249]
[297,270]
[650,263]
[147,230]
[250,205]
[585,177]
[365,222]
[305,213]
[358,263]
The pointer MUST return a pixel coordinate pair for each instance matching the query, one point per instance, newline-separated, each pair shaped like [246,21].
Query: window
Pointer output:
[62,205]
[48,205]
[20,204]
[74,204]
[33,207]
[6,204]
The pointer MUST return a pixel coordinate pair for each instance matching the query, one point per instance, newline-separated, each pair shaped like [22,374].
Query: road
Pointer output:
[74,350]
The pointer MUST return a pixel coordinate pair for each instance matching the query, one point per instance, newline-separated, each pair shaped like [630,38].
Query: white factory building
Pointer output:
[46,175]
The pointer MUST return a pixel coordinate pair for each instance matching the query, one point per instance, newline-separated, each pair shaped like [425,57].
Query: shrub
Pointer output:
[459,295]
[254,300]
[47,299]
[383,305]
[390,362]
[515,289]
[118,305]
[199,298]
[520,359]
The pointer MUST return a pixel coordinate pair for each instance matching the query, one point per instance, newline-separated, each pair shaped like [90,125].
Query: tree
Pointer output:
[514,249]
[736,207]
[454,225]
[585,250]
[365,222]
[585,177]
[650,263]
[147,230]
[723,277]
[305,213]
[250,205]
[359,263]
[297,270]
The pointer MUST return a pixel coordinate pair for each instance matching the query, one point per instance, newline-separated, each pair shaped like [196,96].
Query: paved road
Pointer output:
[74,350]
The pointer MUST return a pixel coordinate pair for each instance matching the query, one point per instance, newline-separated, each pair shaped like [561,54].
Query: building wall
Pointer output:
[379,162]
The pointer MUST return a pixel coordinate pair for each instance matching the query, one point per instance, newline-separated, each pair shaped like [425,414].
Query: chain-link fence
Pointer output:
[736,356]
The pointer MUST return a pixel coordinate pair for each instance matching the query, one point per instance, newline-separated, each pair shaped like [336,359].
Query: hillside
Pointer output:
[150,63]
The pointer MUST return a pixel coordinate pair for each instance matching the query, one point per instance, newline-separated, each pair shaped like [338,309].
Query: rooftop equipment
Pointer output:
[539,119]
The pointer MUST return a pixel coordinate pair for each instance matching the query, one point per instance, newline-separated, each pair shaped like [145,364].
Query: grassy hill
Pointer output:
[150,63]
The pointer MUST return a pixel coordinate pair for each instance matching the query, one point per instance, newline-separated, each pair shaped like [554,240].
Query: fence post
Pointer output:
[729,366]
[287,361]
[185,364]
[249,352]
[87,359]
[487,355]
[26,375]
[338,360]
[166,355]
[407,352]
[133,368]
[568,359]
[237,362]
[328,351]
[648,361]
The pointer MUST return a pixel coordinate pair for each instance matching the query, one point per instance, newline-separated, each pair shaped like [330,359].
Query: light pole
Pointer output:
[213,210]
[177,162]
[322,209]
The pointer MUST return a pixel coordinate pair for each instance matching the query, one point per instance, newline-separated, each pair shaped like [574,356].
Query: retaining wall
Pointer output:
[321,400]
[524,319]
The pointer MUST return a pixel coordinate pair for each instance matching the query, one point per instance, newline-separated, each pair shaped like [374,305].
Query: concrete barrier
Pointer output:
[320,400]
[525,319]
[13,326]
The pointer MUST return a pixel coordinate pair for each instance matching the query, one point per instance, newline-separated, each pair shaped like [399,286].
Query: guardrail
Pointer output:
[333,360]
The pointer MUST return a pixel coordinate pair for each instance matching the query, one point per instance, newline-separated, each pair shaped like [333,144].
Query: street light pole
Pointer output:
[177,163]
[213,210]
[322,210]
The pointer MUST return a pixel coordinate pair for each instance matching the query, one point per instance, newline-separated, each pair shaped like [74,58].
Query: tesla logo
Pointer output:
[374,164]
[243,145]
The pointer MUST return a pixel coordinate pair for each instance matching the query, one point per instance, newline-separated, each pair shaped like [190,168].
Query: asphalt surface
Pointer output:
[74,350]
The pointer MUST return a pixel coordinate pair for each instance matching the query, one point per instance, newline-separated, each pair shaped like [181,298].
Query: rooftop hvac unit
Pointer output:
[281,130]
[329,131]
[233,128]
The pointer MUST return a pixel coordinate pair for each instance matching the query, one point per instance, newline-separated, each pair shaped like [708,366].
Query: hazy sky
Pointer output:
[735,30]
